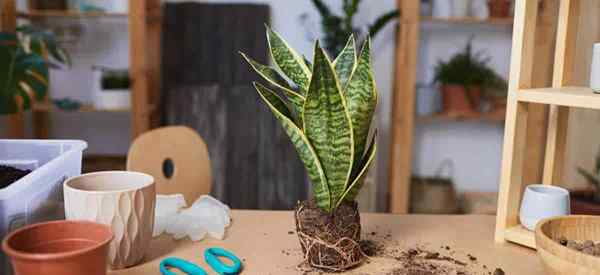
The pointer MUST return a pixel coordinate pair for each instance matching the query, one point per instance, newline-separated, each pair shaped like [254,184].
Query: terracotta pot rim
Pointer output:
[149,182]
[18,254]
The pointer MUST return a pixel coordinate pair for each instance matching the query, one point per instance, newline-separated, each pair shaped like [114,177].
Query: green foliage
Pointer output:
[468,69]
[328,120]
[593,178]
[24,67]
[338,28]
[115,80]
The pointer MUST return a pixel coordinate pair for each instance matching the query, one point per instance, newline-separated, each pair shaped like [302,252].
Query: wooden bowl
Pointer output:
[559,259]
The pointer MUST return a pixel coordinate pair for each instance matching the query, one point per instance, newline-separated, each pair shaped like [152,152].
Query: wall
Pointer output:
[474,147]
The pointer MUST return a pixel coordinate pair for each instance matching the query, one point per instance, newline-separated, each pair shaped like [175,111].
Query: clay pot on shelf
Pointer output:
[499,8]
[583,203]
[459,101]
[59,247]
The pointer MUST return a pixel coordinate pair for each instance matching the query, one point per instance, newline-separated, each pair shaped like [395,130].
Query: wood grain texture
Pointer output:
[207,86]
[400,165]
[8,23]
[188,156]
[261,238]
[583,131]
[521,68]
[564,62]
[545,41]
[144,42]
[560,260]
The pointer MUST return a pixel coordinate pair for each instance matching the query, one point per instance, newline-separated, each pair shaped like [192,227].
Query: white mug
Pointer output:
[541,202]
[595,69]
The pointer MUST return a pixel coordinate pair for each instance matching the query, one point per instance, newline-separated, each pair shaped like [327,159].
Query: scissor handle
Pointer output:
[181,264]
[211,256]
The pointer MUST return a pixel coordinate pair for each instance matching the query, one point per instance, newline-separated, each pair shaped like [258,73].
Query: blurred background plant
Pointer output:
[337,28]
[593,177]
[25,59]
[469,69]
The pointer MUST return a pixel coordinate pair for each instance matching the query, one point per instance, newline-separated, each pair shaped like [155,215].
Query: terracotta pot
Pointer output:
[59,247]
[499,8]
[582,203]
[457,101]
[123,200]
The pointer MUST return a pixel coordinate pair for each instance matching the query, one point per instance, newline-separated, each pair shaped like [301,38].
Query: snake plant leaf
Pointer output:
[303,147]
[327,124]
[272,76]
[361,95]
[352,191]
[345,62]
[288,60]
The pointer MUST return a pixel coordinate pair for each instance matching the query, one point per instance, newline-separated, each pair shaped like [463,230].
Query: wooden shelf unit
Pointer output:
[560,97]
[403,97]
[144,20]
[68,14]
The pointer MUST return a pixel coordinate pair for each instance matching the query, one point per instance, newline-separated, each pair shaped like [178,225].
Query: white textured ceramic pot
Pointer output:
[123,200]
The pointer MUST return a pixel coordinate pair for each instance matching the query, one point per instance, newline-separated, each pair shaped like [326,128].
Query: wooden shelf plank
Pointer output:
[68,14]
[85,108]
[579,97]
[479,117]
[520,235]
[469,20]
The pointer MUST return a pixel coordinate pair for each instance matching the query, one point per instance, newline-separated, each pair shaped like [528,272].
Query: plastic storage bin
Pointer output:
[38,196]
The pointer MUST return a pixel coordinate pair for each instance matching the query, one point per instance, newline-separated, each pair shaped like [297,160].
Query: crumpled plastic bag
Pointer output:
[207,215]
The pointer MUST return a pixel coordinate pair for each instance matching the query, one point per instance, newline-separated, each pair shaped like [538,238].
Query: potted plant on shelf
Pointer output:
[587,202]
[462,80]
[327,114]
[499,8]
[112,90]
[336,29]
[25,59]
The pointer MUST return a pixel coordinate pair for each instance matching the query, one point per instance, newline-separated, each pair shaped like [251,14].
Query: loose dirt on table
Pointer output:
[389,257]
[8,175]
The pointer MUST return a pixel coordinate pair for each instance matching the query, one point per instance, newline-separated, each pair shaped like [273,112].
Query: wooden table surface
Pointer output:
[266,243]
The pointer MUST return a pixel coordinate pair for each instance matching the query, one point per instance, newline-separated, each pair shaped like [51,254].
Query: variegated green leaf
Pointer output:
[352,191]
[327,124]
[272,76]
[361,95]
[345,62]
[303,147]
[288,61]
[307,62]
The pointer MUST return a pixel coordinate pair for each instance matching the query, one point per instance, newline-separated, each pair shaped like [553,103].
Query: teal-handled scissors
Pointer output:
[211,256]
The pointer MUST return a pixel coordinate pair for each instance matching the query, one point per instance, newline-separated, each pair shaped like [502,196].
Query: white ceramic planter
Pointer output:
[595,70]
[541,202]
[125,201]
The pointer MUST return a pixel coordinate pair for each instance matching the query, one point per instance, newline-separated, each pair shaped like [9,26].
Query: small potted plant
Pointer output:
[462,80]
[328,119]
[336,28]
[588,201]
[112,92]
[499,8]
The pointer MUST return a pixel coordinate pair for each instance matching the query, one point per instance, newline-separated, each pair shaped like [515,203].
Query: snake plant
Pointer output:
[326,112]
[24,64]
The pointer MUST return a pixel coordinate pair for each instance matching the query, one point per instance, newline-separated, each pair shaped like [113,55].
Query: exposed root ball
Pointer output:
[329,241]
